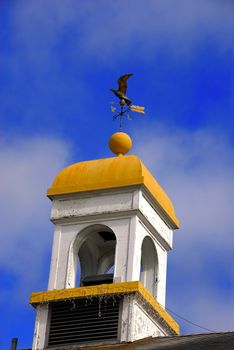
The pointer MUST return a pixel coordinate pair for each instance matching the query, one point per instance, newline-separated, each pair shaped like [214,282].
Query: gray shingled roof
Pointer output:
[210,341]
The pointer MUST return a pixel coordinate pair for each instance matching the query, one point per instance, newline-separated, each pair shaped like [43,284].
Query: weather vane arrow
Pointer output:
[126,105]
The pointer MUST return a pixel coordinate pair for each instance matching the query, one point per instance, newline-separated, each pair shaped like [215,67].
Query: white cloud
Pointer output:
[27,170]
[112,29]
[196,169]
[203,305]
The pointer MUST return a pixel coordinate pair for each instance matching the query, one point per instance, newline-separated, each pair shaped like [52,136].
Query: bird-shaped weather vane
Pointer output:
[126,106]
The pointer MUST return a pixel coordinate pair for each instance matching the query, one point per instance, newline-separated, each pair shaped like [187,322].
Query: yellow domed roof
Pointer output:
[111,173]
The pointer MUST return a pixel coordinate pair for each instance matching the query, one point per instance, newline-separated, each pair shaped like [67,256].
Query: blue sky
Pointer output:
[58,60]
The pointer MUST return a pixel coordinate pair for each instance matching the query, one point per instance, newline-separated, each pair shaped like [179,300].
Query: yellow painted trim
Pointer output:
[99,185]
[156,306]
[111,173]
[105,289]
[113,288]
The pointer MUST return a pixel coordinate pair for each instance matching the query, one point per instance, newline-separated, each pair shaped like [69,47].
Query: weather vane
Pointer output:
[126,106]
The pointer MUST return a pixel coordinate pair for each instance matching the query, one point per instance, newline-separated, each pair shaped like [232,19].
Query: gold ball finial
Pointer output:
[120,143]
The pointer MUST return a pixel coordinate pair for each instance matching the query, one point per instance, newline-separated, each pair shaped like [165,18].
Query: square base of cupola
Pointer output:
[109,313]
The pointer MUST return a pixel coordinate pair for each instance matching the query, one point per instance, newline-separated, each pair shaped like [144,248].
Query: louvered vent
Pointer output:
[84,320]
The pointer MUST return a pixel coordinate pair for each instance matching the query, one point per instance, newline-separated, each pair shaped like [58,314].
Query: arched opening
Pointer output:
[96,257]
[149,266]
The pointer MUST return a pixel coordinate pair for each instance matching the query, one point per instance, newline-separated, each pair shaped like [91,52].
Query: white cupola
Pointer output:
[113,228]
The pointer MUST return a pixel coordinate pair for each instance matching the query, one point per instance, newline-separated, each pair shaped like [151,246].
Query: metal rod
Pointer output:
[120,122]
[121,114]
[14,342]
[121,119]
